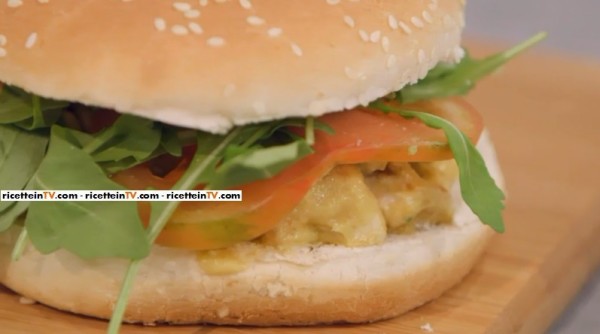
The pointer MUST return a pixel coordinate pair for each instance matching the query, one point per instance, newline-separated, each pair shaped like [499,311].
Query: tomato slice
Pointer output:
[361,135]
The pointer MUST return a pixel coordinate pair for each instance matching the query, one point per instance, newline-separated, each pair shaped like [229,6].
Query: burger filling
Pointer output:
[358,205]
[353,205]
[348,178]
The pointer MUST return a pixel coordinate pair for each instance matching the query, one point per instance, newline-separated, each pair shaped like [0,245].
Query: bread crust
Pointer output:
[300,286]
[275,59]
[370,285]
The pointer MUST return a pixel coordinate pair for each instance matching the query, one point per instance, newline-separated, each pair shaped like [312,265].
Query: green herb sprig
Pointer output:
[210,148]
[477,187]
[458,79]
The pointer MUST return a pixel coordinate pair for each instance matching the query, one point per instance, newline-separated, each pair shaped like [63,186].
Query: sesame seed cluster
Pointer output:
[192,10]
[275,58]
[31,39]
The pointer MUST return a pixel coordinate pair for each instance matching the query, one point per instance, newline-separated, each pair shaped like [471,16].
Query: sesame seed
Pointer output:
[3,40]
[31,39]
[215,41]
[14,3]
[274,32]
[417,22]
[349,21]
[192,13]
[353,74]
[43,1]
[182,6]
[246,4]
[179,30]
[203,3]
[363,35]
[427,17]
[333,2]
[160,24]
[3,52]
[392,22]
[195,28]
[385,44]
[375,36]
[296,49]
[405,27]
[255,20]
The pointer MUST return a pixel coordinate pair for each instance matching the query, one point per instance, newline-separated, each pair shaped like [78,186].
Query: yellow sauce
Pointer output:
[224,261]
[339,209]
[353,205]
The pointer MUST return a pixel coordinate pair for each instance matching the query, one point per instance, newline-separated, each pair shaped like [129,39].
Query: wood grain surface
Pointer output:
[544,115]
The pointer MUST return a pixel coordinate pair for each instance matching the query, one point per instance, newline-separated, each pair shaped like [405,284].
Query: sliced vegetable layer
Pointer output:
[361,135]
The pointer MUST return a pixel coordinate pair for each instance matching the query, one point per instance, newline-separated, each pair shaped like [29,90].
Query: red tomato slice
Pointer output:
[361,135]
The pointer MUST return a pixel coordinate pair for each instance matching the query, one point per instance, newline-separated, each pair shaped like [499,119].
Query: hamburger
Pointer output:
[369,186]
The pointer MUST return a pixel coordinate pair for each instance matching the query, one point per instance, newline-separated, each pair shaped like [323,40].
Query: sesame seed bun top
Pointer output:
[210,64]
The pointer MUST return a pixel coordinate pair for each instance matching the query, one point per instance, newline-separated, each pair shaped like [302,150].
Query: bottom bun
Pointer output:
[300,286]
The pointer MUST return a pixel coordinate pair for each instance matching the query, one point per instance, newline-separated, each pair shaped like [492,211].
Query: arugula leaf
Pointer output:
[259,163]
[209,149]
[13,108]
[129,136]
[21,152]
[10,215]
[128,142]
[458,79]
[87,229]
[477,187]
[20,245]
[26,110]
[254,163]
[170,141]
[309,131]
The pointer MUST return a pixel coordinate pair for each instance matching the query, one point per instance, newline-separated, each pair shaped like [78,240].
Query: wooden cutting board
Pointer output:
[544,115]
